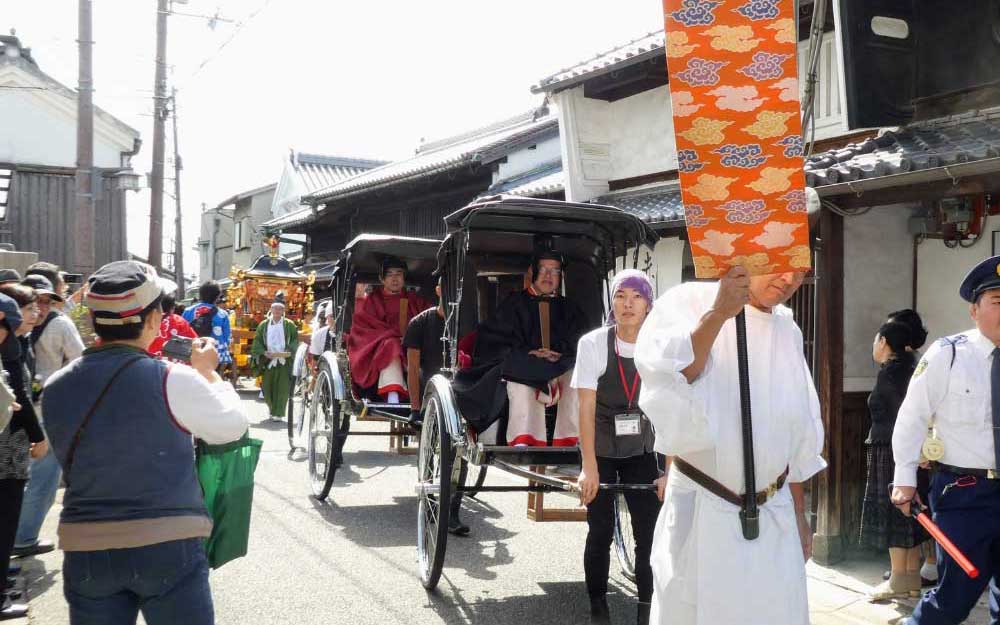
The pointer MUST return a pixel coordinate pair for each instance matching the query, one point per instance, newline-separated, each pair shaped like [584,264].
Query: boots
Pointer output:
[643,613]
[599,612]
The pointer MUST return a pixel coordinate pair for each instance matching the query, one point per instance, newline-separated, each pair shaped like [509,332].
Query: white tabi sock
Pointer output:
[393,397]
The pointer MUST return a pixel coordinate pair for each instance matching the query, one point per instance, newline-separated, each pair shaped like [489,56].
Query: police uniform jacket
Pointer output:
[950,390]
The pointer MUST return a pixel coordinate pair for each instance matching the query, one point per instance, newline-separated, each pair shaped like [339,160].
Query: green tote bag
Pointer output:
[226,476]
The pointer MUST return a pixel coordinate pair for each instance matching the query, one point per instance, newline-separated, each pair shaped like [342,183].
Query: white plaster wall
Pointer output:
[526,159]
[39,125]
[642,134]
[878,277]
[35,133]
[584,126]
[940,271]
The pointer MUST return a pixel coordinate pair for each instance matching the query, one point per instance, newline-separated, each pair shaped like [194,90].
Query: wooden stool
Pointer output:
[539,513]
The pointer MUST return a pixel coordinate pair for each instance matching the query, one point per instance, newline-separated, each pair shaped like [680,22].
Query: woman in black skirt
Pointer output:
[882,525]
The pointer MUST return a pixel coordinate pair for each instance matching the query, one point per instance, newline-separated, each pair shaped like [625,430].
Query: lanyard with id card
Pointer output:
[627,423]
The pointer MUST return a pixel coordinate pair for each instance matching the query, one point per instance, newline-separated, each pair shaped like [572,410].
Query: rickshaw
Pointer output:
[249,298]
[489,246]
[335,399]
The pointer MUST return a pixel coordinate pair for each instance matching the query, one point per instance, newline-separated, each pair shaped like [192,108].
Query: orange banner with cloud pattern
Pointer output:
[735,99]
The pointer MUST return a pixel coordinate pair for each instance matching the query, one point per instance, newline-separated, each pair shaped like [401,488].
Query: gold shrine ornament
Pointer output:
[933,448]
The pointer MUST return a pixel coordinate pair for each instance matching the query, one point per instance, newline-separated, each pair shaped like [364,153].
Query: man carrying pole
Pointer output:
[725,381]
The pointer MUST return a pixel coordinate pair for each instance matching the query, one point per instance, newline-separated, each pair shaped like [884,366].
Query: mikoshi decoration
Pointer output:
[735,99]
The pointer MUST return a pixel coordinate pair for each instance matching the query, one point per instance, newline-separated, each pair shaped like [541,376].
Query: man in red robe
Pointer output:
[375,342]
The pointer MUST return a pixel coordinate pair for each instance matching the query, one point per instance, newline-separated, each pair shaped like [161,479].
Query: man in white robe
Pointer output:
[705,571]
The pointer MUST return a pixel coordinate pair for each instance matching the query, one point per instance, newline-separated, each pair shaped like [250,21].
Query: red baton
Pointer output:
[920,513]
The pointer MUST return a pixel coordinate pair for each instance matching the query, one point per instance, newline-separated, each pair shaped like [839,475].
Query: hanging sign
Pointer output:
[735,100]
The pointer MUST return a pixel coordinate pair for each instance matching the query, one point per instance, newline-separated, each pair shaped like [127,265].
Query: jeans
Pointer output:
[168,582]
[643,506]
[43,482]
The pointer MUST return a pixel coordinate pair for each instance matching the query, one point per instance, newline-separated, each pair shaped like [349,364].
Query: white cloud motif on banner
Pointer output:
[737,98]
[788,88]
[683,103]
[776,234]
[718,243]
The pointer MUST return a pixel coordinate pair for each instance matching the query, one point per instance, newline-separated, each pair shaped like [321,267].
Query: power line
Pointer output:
[236,31]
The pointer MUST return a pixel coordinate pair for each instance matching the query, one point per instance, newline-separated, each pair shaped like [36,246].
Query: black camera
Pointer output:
[178,348]
[72,278]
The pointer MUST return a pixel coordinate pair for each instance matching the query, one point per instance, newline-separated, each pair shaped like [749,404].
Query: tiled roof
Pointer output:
[940,143]
[655,204]
[543,180]
[645,47]
[317,171]
[482,148]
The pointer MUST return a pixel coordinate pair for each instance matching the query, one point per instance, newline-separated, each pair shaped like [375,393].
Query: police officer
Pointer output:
[956,391]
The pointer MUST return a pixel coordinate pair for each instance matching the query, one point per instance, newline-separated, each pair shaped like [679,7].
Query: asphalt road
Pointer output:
[352,559]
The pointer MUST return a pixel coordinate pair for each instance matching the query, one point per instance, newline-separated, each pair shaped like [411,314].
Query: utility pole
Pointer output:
[178,220]
[159,118]
[84,225]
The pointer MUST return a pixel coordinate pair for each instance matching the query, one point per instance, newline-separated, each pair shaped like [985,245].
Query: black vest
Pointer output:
[613,400]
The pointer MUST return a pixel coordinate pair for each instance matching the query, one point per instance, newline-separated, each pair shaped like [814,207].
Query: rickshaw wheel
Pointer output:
[327,432]
[480,480]
[434,465]
[299,402]
[623,537]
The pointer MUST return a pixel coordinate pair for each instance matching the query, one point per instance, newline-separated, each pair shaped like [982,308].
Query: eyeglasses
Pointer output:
[549,271]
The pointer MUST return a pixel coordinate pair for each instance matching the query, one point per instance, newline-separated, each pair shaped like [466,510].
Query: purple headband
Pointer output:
[630,279]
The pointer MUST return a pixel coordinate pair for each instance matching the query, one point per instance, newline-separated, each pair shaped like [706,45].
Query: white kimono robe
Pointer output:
[705,572]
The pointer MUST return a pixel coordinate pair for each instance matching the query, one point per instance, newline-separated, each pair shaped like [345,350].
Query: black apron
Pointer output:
[613,404]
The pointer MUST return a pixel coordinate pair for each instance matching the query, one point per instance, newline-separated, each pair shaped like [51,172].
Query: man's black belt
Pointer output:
[713,486]
[987,474]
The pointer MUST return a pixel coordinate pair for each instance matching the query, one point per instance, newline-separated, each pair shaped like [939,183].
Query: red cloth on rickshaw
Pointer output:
[374,339]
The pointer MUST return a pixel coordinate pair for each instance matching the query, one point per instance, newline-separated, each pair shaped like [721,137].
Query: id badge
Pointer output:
[628,424]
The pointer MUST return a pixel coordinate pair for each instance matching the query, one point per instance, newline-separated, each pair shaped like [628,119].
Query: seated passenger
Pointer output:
[531,343]
[375,342]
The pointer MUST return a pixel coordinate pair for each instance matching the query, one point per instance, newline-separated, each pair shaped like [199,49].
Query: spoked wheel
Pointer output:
[624,539]
[299,401]
[434,466]
[328,430]
[480,480]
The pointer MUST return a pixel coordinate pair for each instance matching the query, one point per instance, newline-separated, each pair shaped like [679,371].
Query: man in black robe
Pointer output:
[530,342]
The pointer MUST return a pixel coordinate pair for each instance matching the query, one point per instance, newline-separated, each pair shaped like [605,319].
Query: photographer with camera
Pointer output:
[134,522]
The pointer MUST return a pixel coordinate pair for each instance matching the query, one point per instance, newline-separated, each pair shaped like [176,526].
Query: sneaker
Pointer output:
[40,547]
[10,610]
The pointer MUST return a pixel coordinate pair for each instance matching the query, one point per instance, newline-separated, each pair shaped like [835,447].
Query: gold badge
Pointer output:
[932,449]
[921,367]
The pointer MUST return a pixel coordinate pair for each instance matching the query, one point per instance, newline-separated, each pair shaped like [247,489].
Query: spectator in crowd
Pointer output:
[53,274]
[54,342]
[171,326]
[882,525]
[133,522]
[207,318]
[917,338]
[9,276]
[23,437]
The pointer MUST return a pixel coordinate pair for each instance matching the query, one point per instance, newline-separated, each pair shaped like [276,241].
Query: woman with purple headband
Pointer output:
[616,440]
